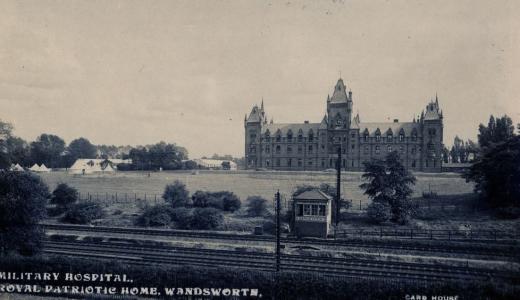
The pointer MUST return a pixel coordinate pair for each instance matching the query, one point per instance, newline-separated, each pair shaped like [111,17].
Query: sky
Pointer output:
[186,72]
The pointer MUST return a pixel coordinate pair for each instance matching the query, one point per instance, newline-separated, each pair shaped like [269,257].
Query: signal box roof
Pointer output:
[314,194]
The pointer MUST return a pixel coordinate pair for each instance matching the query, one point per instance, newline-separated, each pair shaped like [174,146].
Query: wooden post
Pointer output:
[411,234]
[431,234]
[116,196]
[380,232]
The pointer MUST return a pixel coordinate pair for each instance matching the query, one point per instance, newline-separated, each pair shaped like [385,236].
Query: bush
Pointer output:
[64,196]
[256,206]
[83,213]
[183,217]
[176,194]
[206,218]
[378,212]
[223,200]
[158,215]
[230,201]
[206,199]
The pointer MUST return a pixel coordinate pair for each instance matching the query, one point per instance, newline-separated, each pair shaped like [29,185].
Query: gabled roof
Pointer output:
[314,194]
[284,128]
[396,127]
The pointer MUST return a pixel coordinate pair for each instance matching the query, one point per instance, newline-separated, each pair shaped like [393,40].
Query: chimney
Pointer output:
[306,121]
[396,120]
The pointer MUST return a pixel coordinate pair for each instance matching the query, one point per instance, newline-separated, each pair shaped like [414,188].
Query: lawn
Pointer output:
[243,184]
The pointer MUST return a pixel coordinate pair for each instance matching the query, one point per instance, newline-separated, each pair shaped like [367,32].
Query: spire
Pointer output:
[414,119]
[262,105]
[328,98]
[340,94]
[436,100]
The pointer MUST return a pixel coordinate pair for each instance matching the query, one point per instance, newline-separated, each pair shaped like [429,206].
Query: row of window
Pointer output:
[311,210]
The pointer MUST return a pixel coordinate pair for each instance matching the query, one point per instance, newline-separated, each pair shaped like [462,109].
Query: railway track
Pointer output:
[265,262]
[500,251]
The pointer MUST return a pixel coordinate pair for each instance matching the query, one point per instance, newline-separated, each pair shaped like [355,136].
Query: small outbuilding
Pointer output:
[312,214]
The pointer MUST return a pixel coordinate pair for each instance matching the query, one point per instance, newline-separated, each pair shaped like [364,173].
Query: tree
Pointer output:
[176,194]
[81,148]
[256,206]
[47,149]
[6,130]
[389,182]
[378,212]
[17,150]
[64,196]
[23,197]
[497,173]
[498,130]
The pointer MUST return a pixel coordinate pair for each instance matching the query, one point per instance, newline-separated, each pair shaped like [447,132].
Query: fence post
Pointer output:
[495,234]
[116,196]
[449,235]
[431,234]
[359,204]
[470,234]
[411,234]
[135,196]
[380,232]
[126,197]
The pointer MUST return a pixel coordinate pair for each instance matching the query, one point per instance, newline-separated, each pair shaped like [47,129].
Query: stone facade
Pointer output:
[314,146]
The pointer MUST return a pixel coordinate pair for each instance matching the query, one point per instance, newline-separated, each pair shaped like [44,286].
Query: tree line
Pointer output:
[51,150]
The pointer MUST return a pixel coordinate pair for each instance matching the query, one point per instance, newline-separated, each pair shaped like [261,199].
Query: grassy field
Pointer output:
[243,184]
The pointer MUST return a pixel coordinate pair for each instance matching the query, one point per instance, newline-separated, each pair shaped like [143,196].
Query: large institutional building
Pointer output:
[315,146]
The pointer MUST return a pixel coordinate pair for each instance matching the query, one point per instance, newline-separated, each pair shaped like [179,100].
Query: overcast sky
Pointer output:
[137,72]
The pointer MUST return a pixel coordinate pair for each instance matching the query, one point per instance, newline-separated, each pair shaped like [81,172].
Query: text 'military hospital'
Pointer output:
[315,146]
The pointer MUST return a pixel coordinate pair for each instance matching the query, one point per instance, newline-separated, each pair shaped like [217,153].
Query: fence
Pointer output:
[430,234]
[120,198]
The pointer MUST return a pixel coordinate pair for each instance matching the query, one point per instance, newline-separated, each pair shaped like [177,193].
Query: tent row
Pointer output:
[37,168]
[89,166]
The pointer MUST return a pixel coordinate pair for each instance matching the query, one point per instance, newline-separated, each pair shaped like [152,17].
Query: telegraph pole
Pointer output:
[277,199]
[338,187]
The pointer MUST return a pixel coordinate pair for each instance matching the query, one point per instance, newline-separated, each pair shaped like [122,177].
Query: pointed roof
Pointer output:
[254,116]
[340,93]
[314,194]
[35,168]
[432,110]
[323,124]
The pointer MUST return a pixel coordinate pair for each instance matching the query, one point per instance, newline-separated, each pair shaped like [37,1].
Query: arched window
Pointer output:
[378,149]
[278,149]
[366,134]
[378,135]
[278,136]
[300,136]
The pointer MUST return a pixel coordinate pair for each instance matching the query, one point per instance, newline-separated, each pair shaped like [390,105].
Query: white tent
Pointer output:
[17,168]
[44,168]
[35,168]
[86,166]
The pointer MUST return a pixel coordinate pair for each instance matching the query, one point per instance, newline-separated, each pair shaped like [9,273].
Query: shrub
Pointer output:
[64,196]
[206,218]
[176,194]
[256,206]
[206,199]
[183,217]
[83,213]
[378,212]
[158,215]
[230,201]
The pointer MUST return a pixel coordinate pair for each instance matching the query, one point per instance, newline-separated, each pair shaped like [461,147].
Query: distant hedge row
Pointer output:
[288,286]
